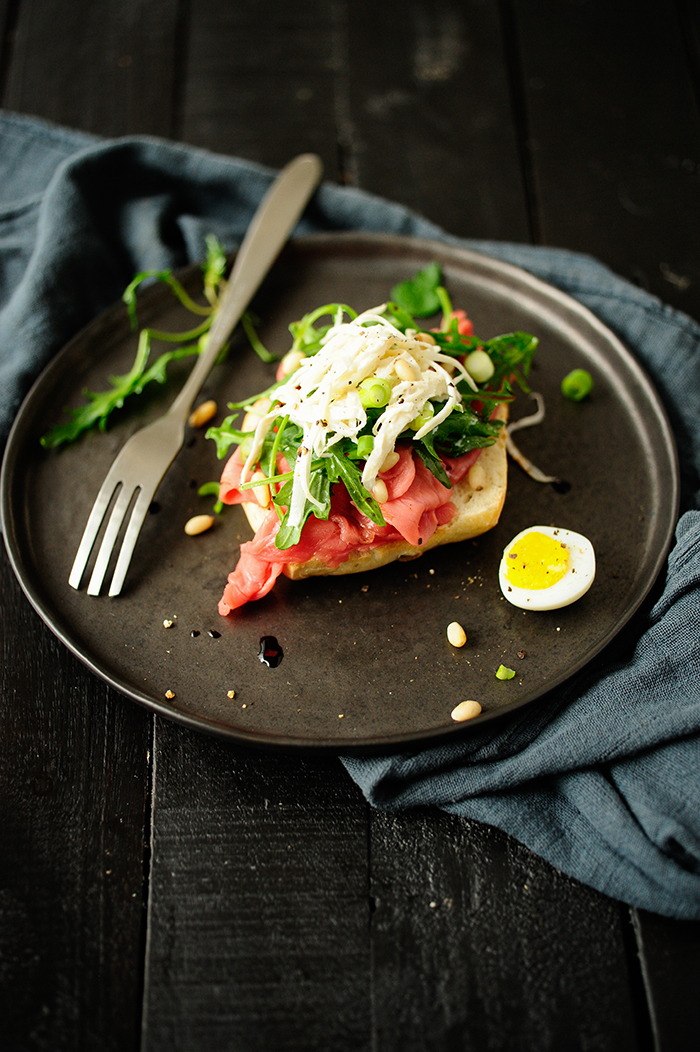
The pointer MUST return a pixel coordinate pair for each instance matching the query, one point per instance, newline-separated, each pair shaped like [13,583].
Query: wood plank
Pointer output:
[97,66]
[258,913]
[670,951]
[73,805]
[7,36]
[614,137]
[477,943]
[260,81]
[428,114]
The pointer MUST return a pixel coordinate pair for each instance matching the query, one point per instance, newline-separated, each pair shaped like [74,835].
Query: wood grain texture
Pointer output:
[260,81]
[670,955]
[429,119]
[613,138]
[477,943]
[258,917]
[73,803]
[95,65]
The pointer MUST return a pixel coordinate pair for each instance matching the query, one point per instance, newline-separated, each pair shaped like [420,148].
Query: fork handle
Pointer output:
[276,216]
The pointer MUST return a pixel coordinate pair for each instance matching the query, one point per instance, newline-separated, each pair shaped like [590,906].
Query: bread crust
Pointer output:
[478,510]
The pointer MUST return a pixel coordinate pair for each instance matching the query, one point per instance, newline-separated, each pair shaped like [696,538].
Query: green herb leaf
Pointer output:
[211,489]
[214,268]
[249,323]
[432,462]
[419,295]
[342,469]
[101,403]
[320,488]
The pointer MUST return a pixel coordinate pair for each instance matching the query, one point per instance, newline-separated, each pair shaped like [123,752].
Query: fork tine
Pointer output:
[113,527]
[129,543]
[92,528]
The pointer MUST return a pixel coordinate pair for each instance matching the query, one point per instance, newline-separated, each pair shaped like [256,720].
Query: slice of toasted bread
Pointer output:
[478,510]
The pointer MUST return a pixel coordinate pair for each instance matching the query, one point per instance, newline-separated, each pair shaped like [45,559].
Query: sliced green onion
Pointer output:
[365,445]
[577,384]
[424,417]
[374,392]
[504,673]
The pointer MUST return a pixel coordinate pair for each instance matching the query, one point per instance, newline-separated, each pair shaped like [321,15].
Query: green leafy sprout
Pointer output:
[100,404]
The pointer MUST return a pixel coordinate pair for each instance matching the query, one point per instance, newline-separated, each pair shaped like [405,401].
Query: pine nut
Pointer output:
[198,524]
[456,634]
[466,710]
[404,370]
[476,476]
[291,361]
[202,414]
[262,493]
[390,461]
[425,337]
[380,492]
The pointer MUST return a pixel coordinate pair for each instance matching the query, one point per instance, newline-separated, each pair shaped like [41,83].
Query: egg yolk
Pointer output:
[536,561]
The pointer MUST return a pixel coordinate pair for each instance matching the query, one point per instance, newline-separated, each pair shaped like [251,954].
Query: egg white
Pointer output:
[576,581]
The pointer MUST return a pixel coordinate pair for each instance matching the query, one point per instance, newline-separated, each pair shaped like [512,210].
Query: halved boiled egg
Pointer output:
[545,568]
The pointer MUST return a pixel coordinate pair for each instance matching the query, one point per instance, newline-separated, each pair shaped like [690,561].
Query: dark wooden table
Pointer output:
[163,890]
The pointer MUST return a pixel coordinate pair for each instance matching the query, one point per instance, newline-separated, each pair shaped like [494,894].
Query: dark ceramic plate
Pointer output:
[366,662]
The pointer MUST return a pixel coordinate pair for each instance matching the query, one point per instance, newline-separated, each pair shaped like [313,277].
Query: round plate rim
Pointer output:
[385,743]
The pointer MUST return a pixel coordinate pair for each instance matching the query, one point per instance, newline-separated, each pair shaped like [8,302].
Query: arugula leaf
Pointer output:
[341,469]
[129,295]
[418,296]
[432,462]
[248,321]
[214,268]
[320,488]
[509,351]
[307,334]
[461,432]
[102,403]
[211,489]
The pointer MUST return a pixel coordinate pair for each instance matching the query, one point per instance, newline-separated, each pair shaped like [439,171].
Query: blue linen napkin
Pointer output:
[603,778]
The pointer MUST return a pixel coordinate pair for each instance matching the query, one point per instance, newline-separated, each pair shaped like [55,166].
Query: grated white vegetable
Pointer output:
[322,396]
[528,421]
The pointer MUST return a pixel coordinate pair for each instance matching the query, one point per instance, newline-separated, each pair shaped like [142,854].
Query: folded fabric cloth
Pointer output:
[603,778]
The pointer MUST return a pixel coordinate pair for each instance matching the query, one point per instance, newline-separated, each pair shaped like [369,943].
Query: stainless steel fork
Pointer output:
[144,460]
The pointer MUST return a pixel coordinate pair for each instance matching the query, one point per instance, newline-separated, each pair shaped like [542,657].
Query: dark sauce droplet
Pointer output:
[194,633]
[153,507]
[214,634]
[561,486]
[270,652]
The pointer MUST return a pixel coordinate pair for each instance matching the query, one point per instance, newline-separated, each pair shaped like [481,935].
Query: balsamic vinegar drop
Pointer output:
[270,652]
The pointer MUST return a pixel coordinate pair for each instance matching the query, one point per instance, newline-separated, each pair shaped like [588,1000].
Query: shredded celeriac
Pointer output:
[322,396]
[528,421]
